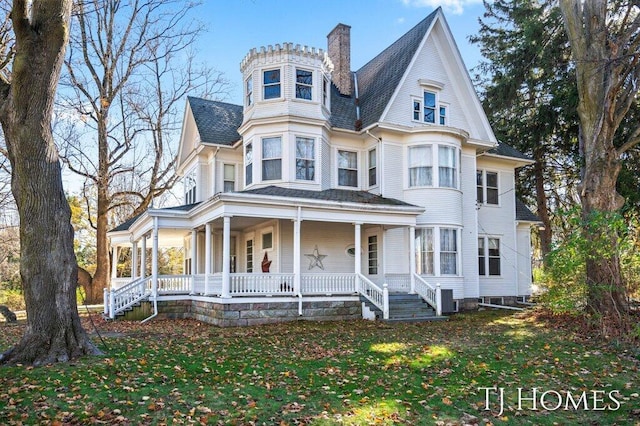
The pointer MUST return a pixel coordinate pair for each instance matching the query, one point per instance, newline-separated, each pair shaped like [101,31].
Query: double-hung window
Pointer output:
[249,91]
[347,168]
[448,251]
[430,107]
[271,84]
[248,164]
[272,158]
[447,170]
[325,92]
[489,256]
[424,251]
[373,167]
[420,166]
[229,178]
[190,188]
[487,187]
[305,159]
[304,84]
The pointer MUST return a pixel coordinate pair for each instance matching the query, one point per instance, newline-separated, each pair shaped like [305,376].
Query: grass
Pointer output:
[359,373]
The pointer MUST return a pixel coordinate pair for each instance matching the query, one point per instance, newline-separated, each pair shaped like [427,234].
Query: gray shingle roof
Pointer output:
[505,150]
[524,214]
[338,195]
[343,110]
[127,224]
[378,79]
[217,122]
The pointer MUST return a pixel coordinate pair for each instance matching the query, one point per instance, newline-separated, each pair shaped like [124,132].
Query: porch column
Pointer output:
[226,256]
[134,260]
[358,247]
[412,258]
[296,254]
[154,258]
[207,257]
[194,259]
[143,257]
[114,262]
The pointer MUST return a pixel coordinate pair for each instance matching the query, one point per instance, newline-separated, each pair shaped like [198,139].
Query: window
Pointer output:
[229,178]
[305,159]
[249,255]
[190,188]
[248,164]
[447,167]
[373,169]
[417,109]
[420,173]
[373,255]
[429,107]
[271,84]
[249,91]
[489,256]
[304,84]
[347,168]
[487,187]
[424,251]
[448,251]
[267,241]
[271,158]
[428,110]
[325,92]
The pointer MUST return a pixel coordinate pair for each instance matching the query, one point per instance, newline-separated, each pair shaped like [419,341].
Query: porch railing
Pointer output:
[128,295]
[328,284]
[429,293]
[261,284]
[376,295]
[174,284]
[398,282]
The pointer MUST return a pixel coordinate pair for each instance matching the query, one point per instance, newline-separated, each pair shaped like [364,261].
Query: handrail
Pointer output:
[128,295]
[376,295]
[429,293]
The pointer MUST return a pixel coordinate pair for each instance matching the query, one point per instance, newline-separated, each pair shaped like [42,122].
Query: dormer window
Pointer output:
[271,84]
[304,84]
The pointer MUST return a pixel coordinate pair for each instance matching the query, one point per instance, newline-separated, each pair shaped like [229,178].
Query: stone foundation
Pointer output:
[243,314]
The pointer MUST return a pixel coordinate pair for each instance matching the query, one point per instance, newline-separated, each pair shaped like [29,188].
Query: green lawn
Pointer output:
[328,373]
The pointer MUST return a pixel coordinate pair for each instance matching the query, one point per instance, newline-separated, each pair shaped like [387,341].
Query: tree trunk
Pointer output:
[541,203]
[103,262]
[47,265]
[601,81]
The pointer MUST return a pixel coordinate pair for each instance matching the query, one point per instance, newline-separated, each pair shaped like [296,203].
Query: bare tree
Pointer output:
[605,42]
[128,67]
[48,264]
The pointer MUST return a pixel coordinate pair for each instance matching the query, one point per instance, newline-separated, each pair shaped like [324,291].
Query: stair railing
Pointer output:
[128,295]
[432,295]
[376,295]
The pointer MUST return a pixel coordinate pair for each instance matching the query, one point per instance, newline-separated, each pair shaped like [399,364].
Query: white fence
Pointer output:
[327,284]
[261,284]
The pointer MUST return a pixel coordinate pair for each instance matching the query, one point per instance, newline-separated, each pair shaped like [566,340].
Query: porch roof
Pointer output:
[336,195]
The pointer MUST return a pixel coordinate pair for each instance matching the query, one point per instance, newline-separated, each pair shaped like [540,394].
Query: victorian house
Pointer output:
[337,194]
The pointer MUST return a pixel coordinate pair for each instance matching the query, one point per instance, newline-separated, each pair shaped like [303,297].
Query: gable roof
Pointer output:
[524,214]
[217,122]
[337,195]
[378,79]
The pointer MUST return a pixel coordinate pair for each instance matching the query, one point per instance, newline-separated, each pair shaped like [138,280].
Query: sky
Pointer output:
[236,26]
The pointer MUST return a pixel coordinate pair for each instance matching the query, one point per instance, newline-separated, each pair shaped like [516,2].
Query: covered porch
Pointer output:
[239,247]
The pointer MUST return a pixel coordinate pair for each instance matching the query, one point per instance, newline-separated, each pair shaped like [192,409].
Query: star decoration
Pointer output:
[315,259]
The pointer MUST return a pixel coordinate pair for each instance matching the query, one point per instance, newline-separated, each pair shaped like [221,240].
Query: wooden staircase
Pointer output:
[406,308]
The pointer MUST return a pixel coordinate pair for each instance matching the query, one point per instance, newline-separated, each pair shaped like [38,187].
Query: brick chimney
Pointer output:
[339,49]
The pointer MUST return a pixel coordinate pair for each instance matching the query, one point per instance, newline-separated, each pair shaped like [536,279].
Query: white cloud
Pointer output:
[453,6]
[400,21]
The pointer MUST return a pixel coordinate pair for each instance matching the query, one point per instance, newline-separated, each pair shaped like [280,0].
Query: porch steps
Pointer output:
[406,308]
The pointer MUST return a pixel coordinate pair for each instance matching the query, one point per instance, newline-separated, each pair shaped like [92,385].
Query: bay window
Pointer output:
[248,164]
[448,251]
[305,159]
[304,84]
[373,167]
[420,166]
[271,84]
[424,251]
[447,167]
[271,158]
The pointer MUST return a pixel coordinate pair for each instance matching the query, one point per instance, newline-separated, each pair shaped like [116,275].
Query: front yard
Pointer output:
[183,372]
